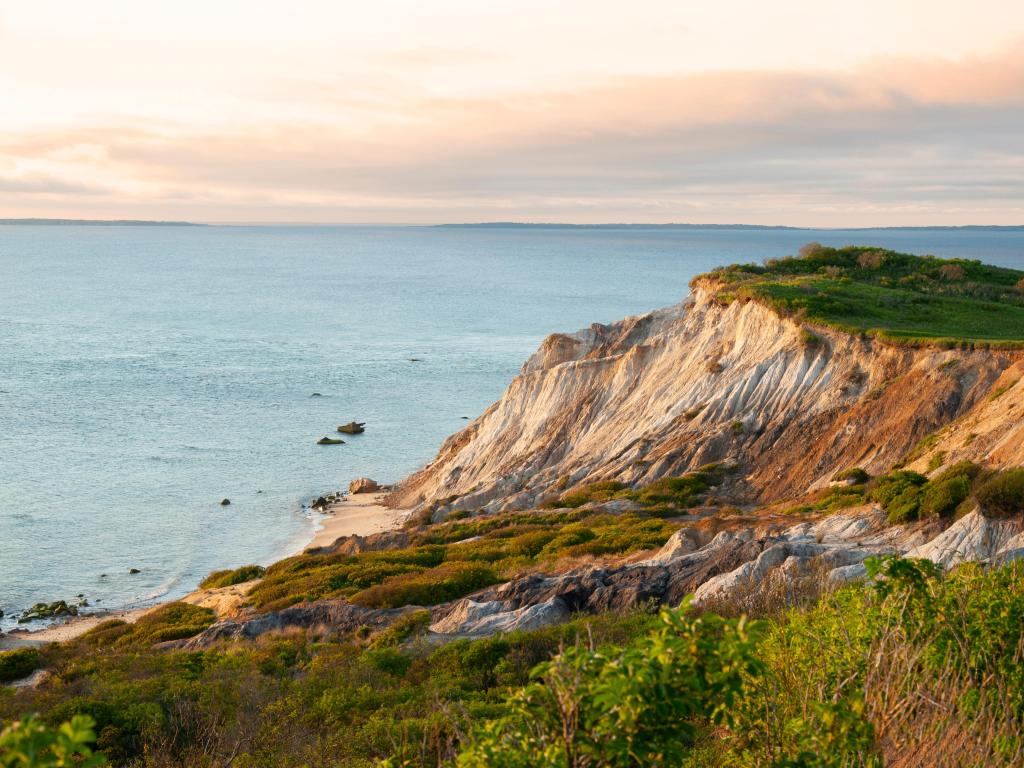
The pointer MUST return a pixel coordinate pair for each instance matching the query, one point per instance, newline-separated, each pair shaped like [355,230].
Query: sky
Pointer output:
[799,112]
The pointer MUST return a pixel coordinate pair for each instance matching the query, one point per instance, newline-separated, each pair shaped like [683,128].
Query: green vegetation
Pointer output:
[897,297]
[638,705]
[229,578]
[662,497]
[907,496]
[28,743]
[915,663]
[441,564]
[18,663]
[899,493]
[855,475]
[1003,493]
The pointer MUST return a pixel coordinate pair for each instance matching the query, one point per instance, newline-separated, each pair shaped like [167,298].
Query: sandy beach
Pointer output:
[356,514]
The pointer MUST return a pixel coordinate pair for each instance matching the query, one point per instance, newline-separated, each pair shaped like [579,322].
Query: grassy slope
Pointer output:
[893,296]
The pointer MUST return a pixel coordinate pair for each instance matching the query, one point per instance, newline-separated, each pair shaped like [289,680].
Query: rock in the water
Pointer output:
[329,441]
[363,485]
[48,611]
[225,502]
[316,394]
[353,428]
[133,571]
[320,504]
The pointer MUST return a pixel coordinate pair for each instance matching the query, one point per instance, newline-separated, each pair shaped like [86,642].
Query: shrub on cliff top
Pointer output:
[231,577]
[1002,494]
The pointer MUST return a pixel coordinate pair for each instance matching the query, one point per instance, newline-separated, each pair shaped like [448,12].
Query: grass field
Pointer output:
[893,296]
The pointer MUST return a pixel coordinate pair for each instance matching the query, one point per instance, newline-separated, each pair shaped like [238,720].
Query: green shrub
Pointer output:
[856,474]
[437,585]
[1003,493]
[173,621]
[229,578]
[623,707]
[809,338]
[28,743]
[594,492]
[941,497]
[899,493]
[19,663]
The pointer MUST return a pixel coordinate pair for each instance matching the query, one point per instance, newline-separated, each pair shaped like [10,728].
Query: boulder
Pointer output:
[335,615]
[48,611]
[133,571]
[353,428]
[972,537]
[320,504]
[469,617]
[225,502]
[682,542]
[363,485]
[329,441]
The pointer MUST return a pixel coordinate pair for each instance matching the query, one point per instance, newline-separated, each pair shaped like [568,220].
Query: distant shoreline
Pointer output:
[98,223]
[757,227]
[510,225]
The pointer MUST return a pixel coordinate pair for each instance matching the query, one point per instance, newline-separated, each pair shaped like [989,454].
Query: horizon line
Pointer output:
[61,221]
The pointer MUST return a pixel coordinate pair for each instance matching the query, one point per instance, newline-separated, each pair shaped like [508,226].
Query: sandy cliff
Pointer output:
[700,382]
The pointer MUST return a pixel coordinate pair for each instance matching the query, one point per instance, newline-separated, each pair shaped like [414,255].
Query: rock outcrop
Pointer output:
[363,485]
[696,383]
[329,616]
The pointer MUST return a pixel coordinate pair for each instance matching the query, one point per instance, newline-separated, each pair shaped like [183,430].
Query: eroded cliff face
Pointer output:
[700,382]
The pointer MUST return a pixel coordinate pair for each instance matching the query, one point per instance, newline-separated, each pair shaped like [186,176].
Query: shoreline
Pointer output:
[360,514]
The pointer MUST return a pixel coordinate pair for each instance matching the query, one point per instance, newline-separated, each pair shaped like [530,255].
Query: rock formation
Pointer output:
[363,485]
[696,383]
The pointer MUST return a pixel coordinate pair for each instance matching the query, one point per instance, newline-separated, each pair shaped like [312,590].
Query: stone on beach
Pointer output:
[363,485]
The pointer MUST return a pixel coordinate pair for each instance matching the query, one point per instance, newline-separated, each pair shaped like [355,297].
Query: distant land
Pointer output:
[556,225]
[101,223]
[501,225]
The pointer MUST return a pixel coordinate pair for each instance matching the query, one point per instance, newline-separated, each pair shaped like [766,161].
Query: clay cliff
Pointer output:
[706,381]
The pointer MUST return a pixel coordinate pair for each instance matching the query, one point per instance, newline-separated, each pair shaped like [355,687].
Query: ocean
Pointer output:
[148,372]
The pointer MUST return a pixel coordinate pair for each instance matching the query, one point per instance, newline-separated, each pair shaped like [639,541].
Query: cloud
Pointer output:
[896,141]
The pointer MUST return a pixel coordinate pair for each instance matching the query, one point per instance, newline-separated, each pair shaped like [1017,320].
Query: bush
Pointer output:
[437,585]
[856,474]
[941,497]
[1002,494]
[899,493]
[19,663]
[809,338]
[28,743]
[624,707]
[229,577]
[173,621]
[594,492]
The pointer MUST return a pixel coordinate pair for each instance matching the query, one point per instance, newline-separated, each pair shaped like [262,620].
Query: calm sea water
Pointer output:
[146,373]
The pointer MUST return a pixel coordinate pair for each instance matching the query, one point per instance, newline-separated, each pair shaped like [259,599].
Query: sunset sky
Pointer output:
[783,112]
